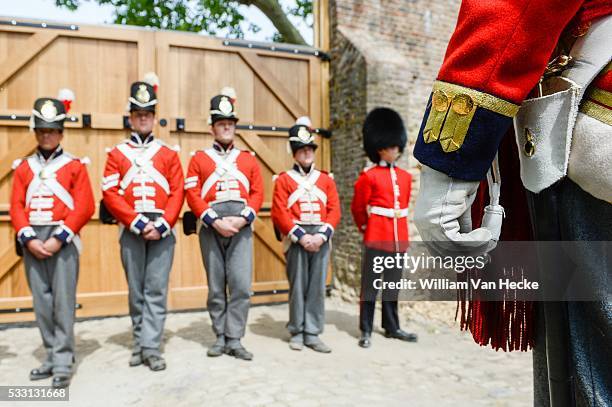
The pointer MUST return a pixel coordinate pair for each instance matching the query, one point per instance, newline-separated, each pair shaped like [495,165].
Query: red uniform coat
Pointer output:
[217,175]
[143,177]
[56,191]
[495,57]
[388,188]
[305,199]
[501,48]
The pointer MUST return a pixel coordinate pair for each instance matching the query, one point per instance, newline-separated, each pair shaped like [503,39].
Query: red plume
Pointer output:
[66,96]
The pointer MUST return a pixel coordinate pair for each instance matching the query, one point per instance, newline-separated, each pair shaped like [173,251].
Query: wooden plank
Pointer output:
[21,149]
[94,32]
[269,238]
[17,59]
[259,147]
[208,43]
[164,71]
[106,121]
[8,260]
[116,303]
[283,95]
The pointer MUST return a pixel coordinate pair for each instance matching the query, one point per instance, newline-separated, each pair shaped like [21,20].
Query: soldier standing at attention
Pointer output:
[143,189]
[380,211]
[224,190]
[306,210]
[51,201]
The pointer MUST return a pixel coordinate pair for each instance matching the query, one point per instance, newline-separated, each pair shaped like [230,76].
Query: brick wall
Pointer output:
[384,53]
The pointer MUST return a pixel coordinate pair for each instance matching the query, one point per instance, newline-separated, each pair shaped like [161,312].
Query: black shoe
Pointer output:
[239,353]
[365,341]
[155,362]
[215,350]
[41,373]
[402,335]
[318,346]
[61,380]
[136,359]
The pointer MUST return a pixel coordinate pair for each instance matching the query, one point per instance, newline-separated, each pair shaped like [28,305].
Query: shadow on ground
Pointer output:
[5,354]
[83,348]
[344,322]
[199,331]
[266,325]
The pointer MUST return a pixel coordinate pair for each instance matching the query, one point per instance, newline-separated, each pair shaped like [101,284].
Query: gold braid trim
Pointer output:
[452,110]
[601,96]
[597,112]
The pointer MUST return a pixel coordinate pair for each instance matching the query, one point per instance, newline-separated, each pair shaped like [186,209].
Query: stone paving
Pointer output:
[445,368]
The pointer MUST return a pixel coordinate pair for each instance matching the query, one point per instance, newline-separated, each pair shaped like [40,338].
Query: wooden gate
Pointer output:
[275,84]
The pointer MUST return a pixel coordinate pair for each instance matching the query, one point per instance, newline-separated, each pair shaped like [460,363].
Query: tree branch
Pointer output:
[275,13]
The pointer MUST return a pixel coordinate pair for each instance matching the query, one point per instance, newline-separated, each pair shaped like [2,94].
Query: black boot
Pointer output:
[366,339]
[402,335]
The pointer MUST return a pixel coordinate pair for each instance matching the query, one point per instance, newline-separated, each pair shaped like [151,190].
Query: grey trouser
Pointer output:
[229,264]
[53,283]
[307,273]
[147,265]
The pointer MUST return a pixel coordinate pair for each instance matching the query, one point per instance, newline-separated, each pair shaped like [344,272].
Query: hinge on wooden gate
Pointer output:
[180,126]
[17,118]
[19,310]
[285,48]
[71,27]
[328,289]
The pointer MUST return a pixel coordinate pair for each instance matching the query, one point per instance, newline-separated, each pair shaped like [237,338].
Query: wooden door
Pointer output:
[274,86]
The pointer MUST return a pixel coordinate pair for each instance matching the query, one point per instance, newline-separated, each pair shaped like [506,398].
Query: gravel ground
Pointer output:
[445,368]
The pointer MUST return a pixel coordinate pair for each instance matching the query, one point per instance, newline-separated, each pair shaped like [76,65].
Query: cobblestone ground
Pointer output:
[445,368]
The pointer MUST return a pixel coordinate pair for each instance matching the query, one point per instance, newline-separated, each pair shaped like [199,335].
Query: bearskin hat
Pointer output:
[382,128]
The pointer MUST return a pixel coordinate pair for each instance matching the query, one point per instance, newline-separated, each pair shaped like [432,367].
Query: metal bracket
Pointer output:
[14,117]
[285,48]
[28,309]
[15,23]
[87,120]
[283,291]
[18,118]
[180,126]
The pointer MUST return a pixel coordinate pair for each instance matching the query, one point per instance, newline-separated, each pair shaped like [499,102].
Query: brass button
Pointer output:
[581,30]
[463,104]
[439,101]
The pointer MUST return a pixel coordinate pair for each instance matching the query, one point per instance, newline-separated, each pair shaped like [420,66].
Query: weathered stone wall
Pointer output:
[384,53]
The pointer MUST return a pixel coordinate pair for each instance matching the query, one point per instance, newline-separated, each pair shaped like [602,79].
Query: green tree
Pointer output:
[208,16]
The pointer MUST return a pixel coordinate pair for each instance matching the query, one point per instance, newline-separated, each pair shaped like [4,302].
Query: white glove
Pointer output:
[443,216]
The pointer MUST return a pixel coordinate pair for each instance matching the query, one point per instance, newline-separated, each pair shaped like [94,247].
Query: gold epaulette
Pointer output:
[452,110]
